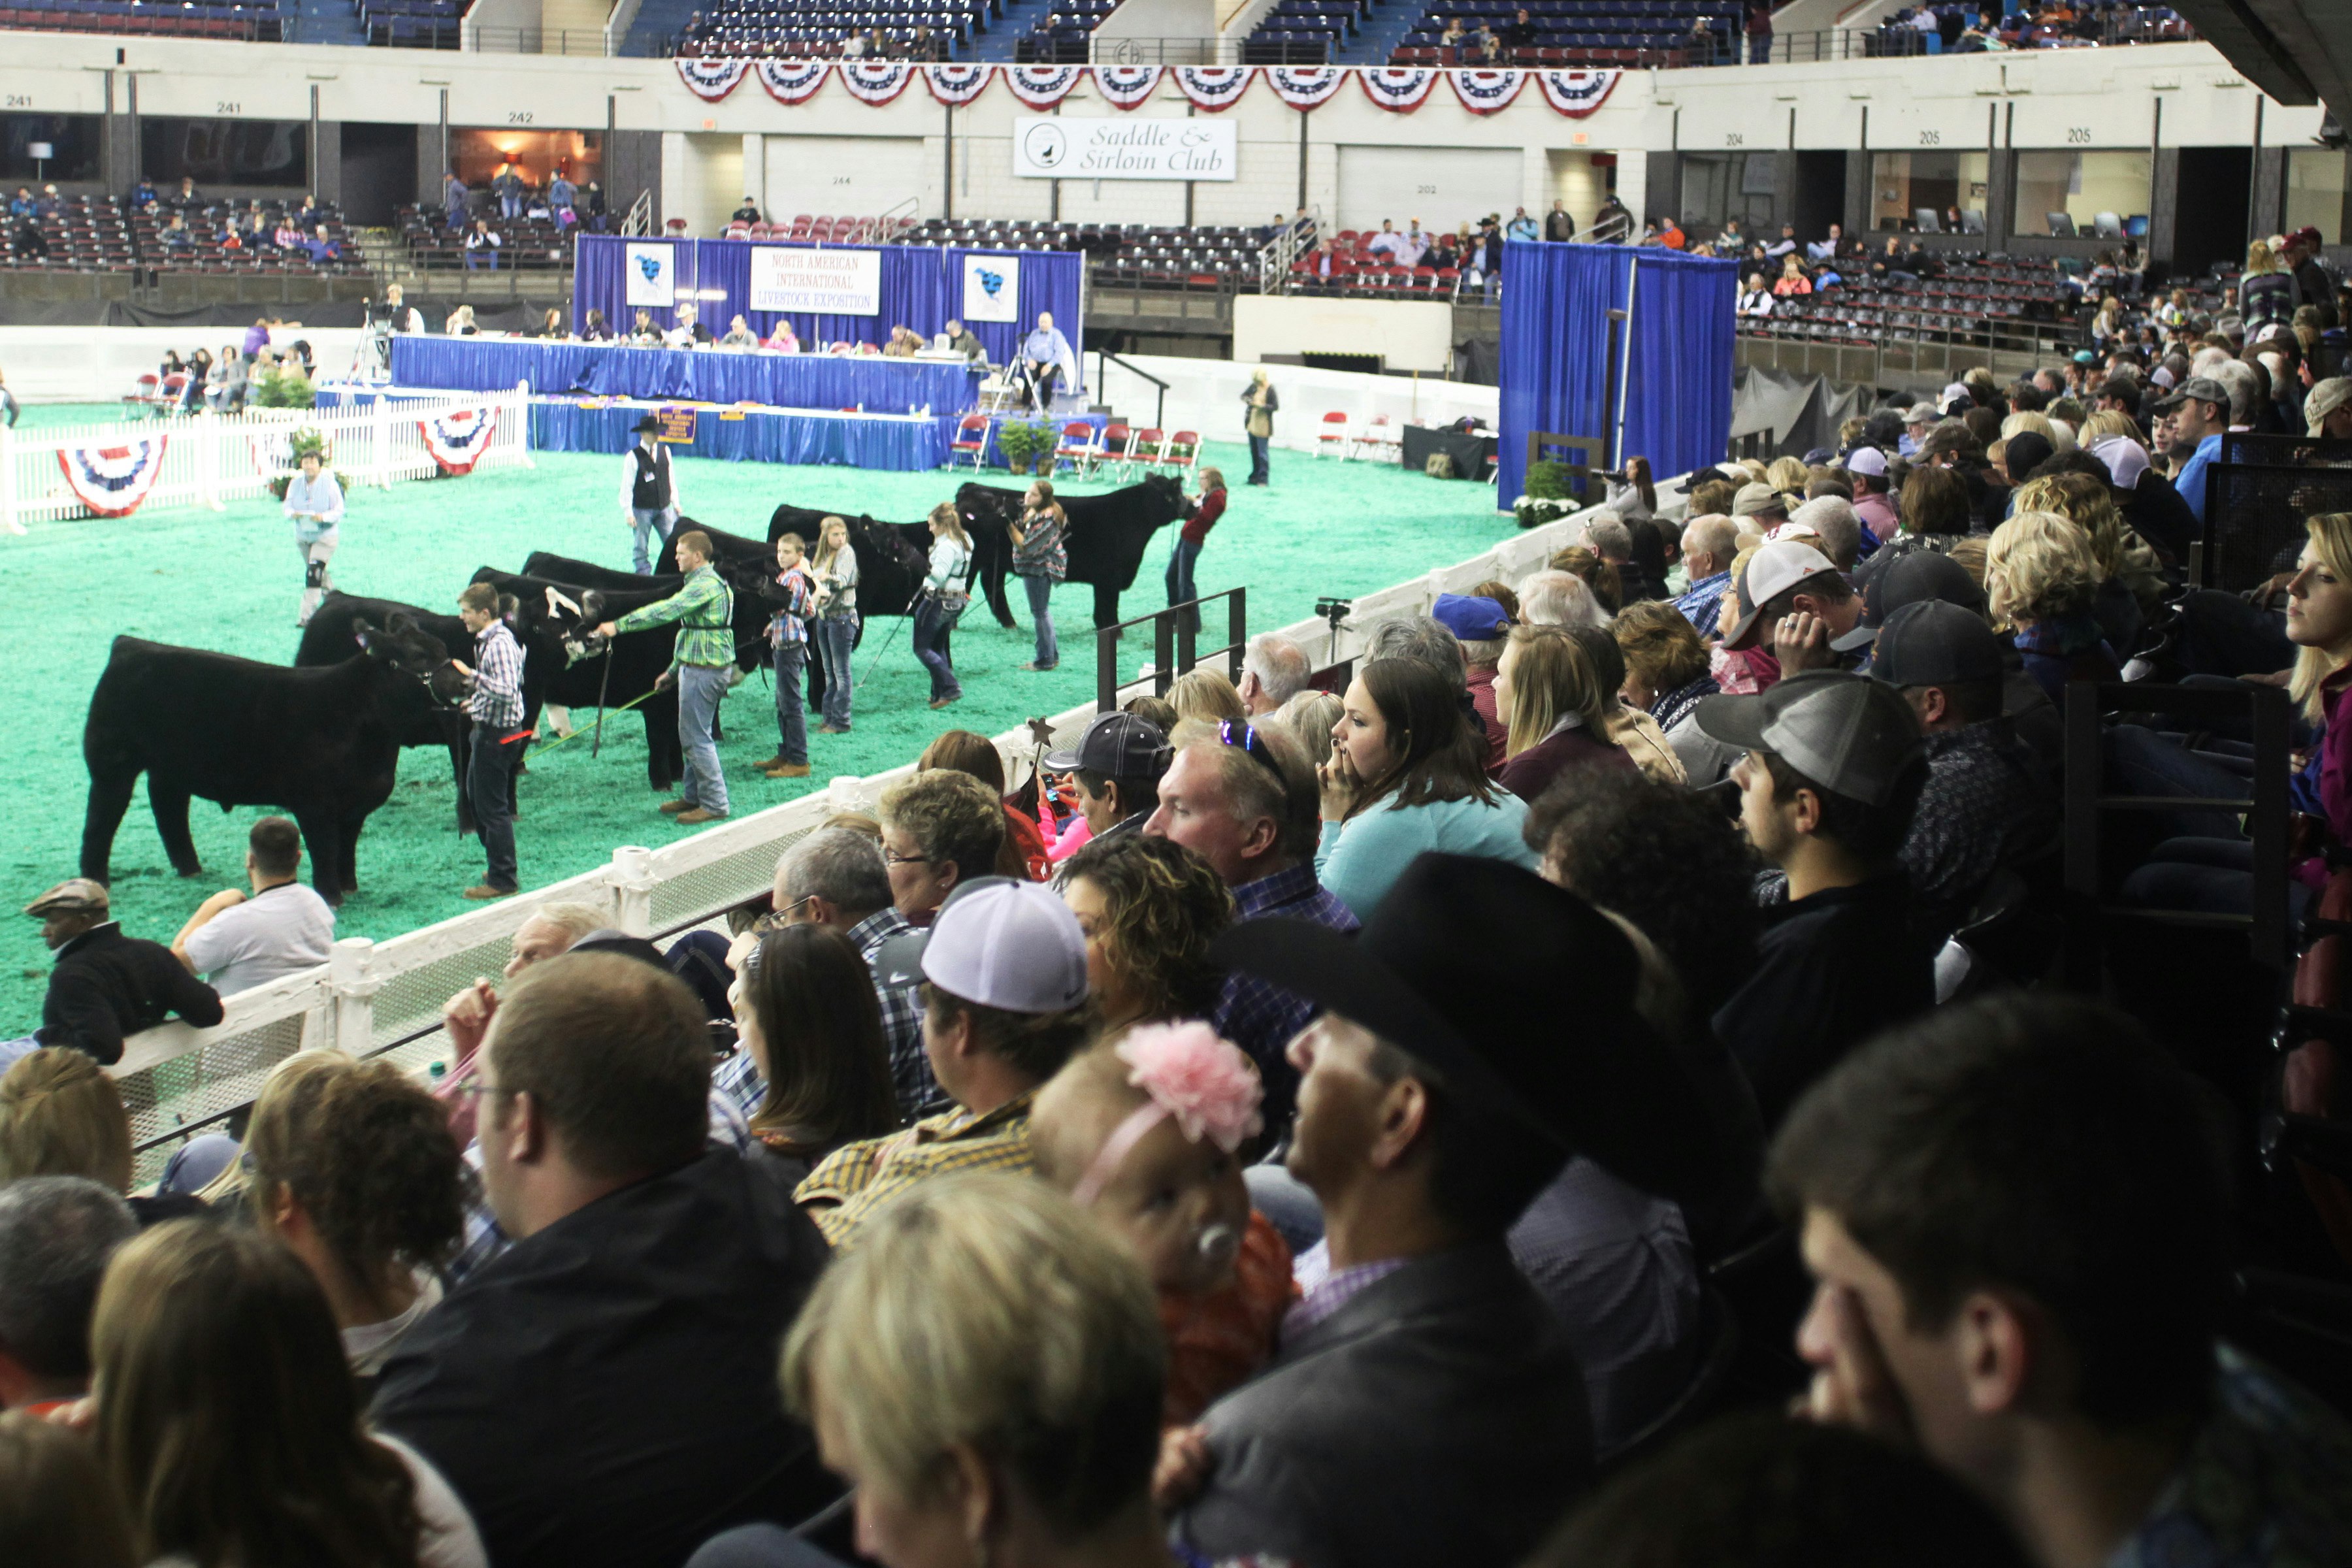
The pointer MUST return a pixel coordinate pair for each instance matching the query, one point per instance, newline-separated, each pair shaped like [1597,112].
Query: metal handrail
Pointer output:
[536,41]
[1191,51]
[641,215]
[1281,252]
[1173,649]
[1160,413]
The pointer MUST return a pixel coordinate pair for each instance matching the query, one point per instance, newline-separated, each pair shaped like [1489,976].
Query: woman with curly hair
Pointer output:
[2042,576]
[353,1167]
[1149,909]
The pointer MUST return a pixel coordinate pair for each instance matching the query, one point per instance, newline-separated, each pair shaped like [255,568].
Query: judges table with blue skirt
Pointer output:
[869,383]
[905,443]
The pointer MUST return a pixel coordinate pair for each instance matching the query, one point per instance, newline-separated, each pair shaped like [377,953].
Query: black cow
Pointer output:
[323,744]
[1105,542]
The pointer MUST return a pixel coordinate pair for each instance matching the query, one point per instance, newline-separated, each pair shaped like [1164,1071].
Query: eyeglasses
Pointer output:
[1253,745]
[474,1089]
[777,920]
[892,857]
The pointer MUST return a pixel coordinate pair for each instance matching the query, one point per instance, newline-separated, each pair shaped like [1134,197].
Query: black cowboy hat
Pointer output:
[1520,996]
[647,423]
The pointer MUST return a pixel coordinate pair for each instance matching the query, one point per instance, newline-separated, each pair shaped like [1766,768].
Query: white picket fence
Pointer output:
[384,998]
[209,459]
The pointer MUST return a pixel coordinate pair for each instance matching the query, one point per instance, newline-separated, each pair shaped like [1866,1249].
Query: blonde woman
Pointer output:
[1793,279]
[60,1115]
[947,590]
[1207,696]
[2266,292]
[1259,404]
[1557,712]
[2108,424]
[833,567]
[2131,578]
[2042,576]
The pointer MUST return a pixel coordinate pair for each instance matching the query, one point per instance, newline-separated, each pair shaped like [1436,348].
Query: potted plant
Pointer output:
[1024,444]
[284,386]
[1547,496]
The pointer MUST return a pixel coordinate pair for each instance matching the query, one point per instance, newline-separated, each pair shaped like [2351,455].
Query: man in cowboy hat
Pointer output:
[1424,1408]
[106,986]
[648,491]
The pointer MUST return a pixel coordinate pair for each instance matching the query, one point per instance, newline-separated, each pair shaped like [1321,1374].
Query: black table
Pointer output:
[1473,456]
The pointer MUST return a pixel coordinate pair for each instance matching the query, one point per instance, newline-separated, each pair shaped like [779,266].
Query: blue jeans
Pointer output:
[699,687]
[792,713]
[932,624]
[1041,611]
[646,522]
[509,206]
[486,257]
[1258,447]
[1180,559]
[490,775]
[836,641]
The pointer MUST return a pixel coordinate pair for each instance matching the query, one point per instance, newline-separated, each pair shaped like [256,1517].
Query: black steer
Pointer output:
[323,744]
[1106,542]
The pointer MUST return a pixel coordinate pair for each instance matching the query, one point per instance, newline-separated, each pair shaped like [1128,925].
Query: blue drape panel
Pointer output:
[1675,396]
[907,446]
[784,380]
[921,288]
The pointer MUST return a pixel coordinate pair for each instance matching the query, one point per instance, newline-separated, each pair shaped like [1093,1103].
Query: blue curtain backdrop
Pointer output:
[919,289]
[1676,401]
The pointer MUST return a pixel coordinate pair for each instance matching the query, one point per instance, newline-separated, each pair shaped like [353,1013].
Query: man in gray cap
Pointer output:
[1117,765]
[2189,431]
[106,986]
[1988,803]
[2327,408]
[1834,769]
[1917,420]
[1760,502]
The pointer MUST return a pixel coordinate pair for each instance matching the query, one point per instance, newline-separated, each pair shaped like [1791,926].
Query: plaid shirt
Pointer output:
[790,625]
[856,1180]
[705,611]
[737,1077]
[497,698]
[484,1239]
[1324,1292]
[1260,1016]
[1702,602]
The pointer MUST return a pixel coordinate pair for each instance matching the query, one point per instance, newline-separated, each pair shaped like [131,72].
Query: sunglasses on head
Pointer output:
[1251,743]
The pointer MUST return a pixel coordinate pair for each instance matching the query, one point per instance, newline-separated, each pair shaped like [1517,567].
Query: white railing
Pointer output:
[384,998]
[209,459]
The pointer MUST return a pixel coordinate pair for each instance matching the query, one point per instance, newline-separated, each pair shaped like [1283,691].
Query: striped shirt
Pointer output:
[497,698]
[856,1180]
[704,610]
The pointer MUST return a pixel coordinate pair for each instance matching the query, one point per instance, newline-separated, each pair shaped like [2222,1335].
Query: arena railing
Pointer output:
[209,459]
[384,998]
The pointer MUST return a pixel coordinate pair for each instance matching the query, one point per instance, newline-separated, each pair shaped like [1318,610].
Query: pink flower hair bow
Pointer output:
[1205,1083]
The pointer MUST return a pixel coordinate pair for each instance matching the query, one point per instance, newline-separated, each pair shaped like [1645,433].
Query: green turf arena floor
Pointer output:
[230,580]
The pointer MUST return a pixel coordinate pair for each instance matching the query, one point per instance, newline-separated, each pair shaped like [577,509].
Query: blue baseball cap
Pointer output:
[1471,620]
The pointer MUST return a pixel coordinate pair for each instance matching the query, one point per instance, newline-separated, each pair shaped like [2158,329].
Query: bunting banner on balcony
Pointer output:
[1487,92]
[1126,87]
[874,81]
[1398,89]
[461,437]
[112,480]
[958,85]
[1575,93]
[710,81]
[1042,86]
[1304,87]
[792,81]
[1214,88]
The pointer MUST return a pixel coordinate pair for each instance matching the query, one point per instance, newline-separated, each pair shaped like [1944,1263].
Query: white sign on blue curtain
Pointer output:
[1071,147]
[991,289]
[653,274]
[825,282]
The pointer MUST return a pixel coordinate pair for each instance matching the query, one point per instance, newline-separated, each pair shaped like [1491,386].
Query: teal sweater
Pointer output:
[1359,860]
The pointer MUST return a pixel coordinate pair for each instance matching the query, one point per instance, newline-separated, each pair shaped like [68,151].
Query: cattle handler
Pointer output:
[704,611]
[495,704]
[315,501]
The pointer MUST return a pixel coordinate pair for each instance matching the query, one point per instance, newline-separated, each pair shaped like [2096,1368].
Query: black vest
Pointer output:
[650,493]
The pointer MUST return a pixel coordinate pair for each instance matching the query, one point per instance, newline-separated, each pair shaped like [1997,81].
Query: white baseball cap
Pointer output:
[1772,571]
[1015,946]
[1866,460]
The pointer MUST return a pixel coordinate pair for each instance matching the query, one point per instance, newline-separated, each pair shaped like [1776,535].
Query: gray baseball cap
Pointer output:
[1120,745]
[1011,945]
[1850,734]
[1931,643]
[2197,389]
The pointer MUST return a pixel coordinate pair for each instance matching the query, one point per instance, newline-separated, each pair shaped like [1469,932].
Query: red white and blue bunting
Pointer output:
[710,81]
[1398,89]
[1128,87]
[955,85]
[112,480]
[792,81]
[1042,86]
[1488,91]
[1575,93]
[1214,88]
[874,81]
[1304,87]
[460,438]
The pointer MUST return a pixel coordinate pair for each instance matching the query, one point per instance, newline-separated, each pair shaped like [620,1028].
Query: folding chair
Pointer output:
[1183,452]
[1381,436]
[1149,448]
[971,440]
[1333,435]
[1077,448]
[1117,452]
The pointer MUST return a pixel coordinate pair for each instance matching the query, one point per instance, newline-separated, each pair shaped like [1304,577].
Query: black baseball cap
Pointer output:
[1920,574]
[1117,745]
[1931,643]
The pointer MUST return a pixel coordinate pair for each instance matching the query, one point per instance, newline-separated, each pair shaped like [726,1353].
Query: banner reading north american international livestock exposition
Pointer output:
[827,282]
[1069,147]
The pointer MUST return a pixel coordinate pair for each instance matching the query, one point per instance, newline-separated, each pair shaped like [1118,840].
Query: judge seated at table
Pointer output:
[1045,356]
[642,329]
[688,333]
[959,339]
[783,340]
[903,343]
[740,338]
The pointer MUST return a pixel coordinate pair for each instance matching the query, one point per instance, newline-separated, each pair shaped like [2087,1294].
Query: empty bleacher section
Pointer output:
[1127,256]
[255,20]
